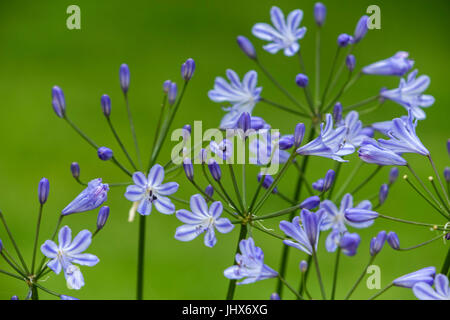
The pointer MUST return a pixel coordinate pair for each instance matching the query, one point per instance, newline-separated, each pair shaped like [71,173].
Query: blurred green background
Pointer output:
[154,38]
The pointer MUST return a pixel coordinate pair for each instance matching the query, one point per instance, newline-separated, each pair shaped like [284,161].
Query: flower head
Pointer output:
[201,220]
[397,65]
[250,264]
[285,33]
[68,252]
[149,191]
[441,291]
[90,198]
[355,134]
[424,275]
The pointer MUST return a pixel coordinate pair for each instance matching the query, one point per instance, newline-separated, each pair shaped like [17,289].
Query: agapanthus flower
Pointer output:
[441,291]
[425,275]
[241,95]
[306,234]
[68,252]
[397,65]
[201,219]
[355,134]
[393,240]
[90,198]
[250,264]
[330,143]
[349,243]
[371,152]
[286,33]
[404,138]
[150,191]
[223,149]
[410,95]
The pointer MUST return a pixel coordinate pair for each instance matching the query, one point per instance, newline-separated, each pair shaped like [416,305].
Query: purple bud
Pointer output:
[268,180]
[350,62]
[244,121]
[166,86]
[447,174]
[329,179]
[301,80]
[382,195]
[172,95]
[448,147]
[393,175]
[343,40]
[90,198]
[377,243]
[187,69]
[257,123]
[203,155]
[104,153]
[43,189]
[14,297]
[337,112]
[358,215]
[275,296]
[246,47]
[320,12]
[393,240]
[188,168]
[102,217]
[349,243]
[303,266]
[1,245]
[286,142]
[187,127]
[298,134]
[124,77]
[58,101]
[361,29]
[75,169]
[209,190]
[214,169]
[310,203]
[106,105]
[447,236]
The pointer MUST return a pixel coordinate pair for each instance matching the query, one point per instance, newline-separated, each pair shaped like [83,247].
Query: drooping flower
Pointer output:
[90,198]
[306,235]
[150,191]
[410,95]
[68,252]
[286,33]
[441,291]
[404,138]
[425,275]
[371,152]
[397,65]
[250,264]
[58,101]
[241,95]
[103,215]
[201,220]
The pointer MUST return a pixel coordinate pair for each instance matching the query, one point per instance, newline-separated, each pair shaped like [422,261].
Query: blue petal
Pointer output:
[85,259]
[164,205]
[156,175]
[49,249]
[81,242]
[64,237]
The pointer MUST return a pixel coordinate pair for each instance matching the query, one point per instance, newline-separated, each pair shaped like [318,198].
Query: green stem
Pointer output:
[120,143]
[133,131]
[298,295]
[405,177]
[13,265]
[304,280]
[446,265]
[36,238]
[348,181]
[232,284]
[409,222]
[361,103]
[319,277]
[140,263]
[336,267]
[381,291]
[317,86]
[365,181]
[438,194]
[236,188]
[306,89]
[439,178]
[327,86]
[422,244]
[278,213]
[19,254]
[160,121]
[287,109]
[41,267]
[12,275]
[372,258]
[34,292]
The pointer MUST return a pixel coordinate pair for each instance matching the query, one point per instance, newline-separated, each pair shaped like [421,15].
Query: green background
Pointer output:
[154,38]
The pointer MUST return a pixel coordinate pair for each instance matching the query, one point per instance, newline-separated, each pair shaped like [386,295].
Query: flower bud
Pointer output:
[214,169]
[286,142]
[187,69]
[447,236]
[268,180]
[448,147]
[328,180]
[1,245]
[320,12]
[124,77]
[310,203]
[104,153]
[106,105]
[58,101]
[75,169]
[361,29]
[172,95]
[393,240]
[393,175]
[303,266]
[377,243]
[349,243]
[188,128]
[14,298]
[188,168]
[203,155]
[244,121]
[301,80]
[360,215]
[382,195]
[344,39]
[257,123]
[90,198]
[337,112]
[246,47]
[166,86]
[275,296]
[43,189]
[350,62]
[102,217]
[447,174]
[209,190]
[298,134]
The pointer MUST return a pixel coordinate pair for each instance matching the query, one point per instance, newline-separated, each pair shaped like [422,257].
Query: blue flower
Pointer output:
[425,275]
[410,95]
[371,152]
[349,243]
[241,95]
[355,134]
[306,235]
[150,191]
[250,264]
[202,220]
[90,198]
[330,143]
[224,149]
[385,126]
[424,291]
[285,35]
[68,252]
[397,65]
[404,138]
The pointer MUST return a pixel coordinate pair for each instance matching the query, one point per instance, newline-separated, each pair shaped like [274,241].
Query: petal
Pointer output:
[234,78]
[198,205]
[145,207]
[74,277]
[346,202]
[215,210]
[49,249]
[167,188]
[277,17]
[187,232]
[250,80]
[164,205]
[81,242]
[292,49]
[293,20]
[85,259]
[134,193]
[64,237]
[55,266]
[139,179]
[265,32]
[441,285]
[210,238]
[188,217]
[273,47]
[156,175]
[424,291]
[223,225]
